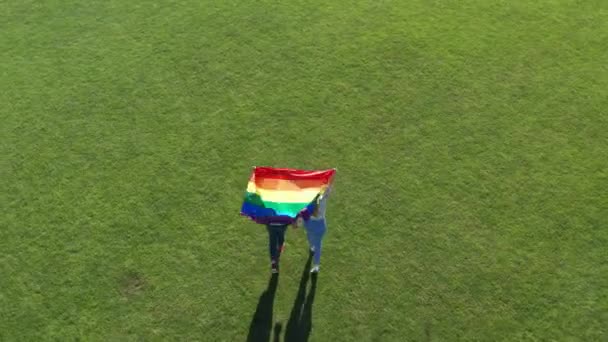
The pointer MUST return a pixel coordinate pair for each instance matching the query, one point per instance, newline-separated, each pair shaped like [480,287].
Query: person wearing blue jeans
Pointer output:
[316,227]
[276,241]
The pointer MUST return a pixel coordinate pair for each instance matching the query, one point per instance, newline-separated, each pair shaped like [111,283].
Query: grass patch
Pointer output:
[470,139]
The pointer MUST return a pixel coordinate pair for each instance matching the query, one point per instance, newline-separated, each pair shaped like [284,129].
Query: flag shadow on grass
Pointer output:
[261,324]
[299,325]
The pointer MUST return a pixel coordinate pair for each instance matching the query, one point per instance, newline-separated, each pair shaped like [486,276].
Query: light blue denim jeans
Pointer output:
[315,229]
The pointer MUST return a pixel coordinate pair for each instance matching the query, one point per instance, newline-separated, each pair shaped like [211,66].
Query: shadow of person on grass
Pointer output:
[299,325]
[277,332]
[261,324]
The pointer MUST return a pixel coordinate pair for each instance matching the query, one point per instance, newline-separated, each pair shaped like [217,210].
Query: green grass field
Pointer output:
[470,137]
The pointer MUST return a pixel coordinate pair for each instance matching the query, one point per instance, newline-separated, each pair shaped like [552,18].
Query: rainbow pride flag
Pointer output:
[280,195]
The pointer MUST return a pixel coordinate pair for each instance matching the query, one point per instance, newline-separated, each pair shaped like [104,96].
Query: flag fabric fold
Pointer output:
[280,195]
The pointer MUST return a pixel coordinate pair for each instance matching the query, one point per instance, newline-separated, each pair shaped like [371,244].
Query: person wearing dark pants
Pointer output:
[276,241]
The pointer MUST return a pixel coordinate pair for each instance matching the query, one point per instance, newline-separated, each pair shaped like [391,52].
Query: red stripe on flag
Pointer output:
[322,176]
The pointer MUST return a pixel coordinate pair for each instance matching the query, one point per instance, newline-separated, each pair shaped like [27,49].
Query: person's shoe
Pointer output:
[274,266]
[315,269]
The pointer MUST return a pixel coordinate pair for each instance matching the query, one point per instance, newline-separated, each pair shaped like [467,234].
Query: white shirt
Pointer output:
[322,206]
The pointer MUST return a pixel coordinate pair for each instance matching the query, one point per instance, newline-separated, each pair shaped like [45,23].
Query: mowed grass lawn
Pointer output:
[470,137]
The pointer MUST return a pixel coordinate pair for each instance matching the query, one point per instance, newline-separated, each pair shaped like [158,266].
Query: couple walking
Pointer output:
[315,226]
